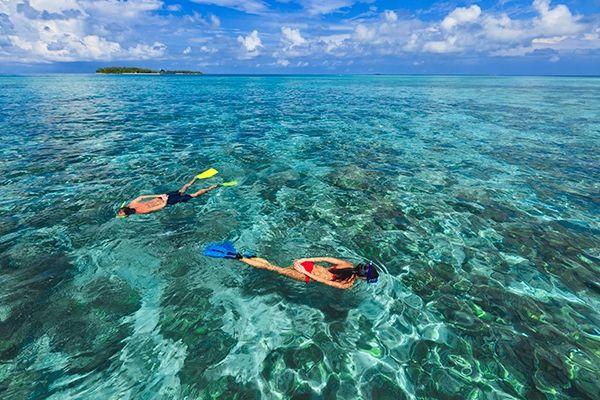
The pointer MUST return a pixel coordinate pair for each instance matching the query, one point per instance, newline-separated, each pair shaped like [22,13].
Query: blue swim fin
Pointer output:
[221,250]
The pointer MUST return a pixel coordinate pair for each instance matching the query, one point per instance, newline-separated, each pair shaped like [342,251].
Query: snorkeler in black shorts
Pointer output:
[155,202]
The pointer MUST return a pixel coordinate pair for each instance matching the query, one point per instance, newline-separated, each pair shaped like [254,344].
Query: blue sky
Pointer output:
[303,36]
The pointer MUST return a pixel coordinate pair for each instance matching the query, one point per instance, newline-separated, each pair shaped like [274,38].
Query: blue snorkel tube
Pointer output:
[371,279]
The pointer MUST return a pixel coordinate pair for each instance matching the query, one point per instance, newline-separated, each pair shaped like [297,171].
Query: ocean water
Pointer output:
[478,197]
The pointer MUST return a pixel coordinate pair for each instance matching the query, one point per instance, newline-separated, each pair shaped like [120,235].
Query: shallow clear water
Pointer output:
[478,196]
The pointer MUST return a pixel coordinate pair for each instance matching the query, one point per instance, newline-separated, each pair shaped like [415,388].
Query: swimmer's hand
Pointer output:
[299,267]
[301,260]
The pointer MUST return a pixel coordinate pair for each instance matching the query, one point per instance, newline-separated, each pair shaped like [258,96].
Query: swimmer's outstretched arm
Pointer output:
[264,264]
[150,196]
[330,260]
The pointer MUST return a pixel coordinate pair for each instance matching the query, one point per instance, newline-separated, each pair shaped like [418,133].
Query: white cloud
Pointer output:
[390,16]
[144,51]
[215,22]
[90,47]
[363,33]
[333,42]
[292,37]
[501,28]
[441,46]
[119,10]
[549,40]
[250,44]
[75,30]
[558,19]
[549,22]
[187,51]
[248,6]
[315,7]
[53,6]
[283,62]
[461,16]
[208,50]
[469,30]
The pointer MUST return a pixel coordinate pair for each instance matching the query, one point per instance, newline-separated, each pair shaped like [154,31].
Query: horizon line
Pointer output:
[312,74]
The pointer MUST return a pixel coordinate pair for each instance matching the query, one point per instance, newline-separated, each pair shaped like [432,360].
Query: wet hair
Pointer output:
[127,210]
[363,270]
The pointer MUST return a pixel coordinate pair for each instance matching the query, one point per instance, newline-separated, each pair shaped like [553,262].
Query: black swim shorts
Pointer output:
[176,197]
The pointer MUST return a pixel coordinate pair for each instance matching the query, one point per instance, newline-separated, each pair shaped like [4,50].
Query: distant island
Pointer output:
[143,71]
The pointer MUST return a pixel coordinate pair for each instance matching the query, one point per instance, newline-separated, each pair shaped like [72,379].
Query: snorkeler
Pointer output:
[342,274]
[155,202]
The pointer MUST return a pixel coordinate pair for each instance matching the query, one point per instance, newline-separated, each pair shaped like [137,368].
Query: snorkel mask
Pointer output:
[367,272]
[122,216]
[372,275]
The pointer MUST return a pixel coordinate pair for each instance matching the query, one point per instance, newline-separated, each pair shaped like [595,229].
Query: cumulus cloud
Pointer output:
[144,51]
[292,37]
[250,44]
[470,30]
[442,46]
[89,47]
[81,30]
[293,44]
[47,31]
[461,16]
[333,42]
[558,19]
[363,33]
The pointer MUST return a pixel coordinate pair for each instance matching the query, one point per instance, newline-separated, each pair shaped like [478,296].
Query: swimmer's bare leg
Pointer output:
[187,185]
[261,263]
[202,191]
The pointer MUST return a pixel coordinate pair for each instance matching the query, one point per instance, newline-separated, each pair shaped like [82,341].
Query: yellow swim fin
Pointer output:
[209,173]
[232,183]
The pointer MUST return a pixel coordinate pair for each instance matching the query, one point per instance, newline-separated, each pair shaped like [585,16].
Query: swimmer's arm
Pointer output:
[330,260]
[335,284]
[150,196]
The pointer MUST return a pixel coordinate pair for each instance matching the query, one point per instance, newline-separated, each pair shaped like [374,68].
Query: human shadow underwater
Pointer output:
[341,274]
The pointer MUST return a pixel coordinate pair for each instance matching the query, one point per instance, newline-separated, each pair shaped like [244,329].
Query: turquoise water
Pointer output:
[479,197]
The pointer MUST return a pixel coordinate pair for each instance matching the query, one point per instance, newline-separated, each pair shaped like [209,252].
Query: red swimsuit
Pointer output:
[308,266]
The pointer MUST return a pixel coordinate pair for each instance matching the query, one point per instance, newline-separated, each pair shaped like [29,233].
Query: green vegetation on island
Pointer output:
[137,70]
